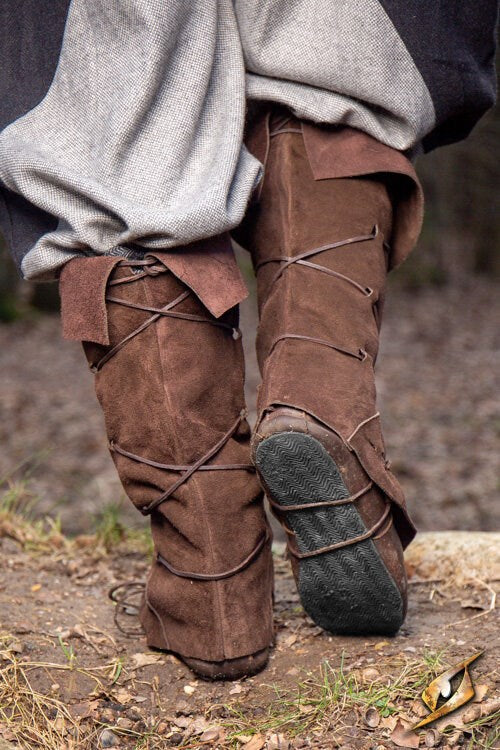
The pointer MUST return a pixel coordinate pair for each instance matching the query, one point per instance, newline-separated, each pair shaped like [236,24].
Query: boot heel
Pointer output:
[345,591]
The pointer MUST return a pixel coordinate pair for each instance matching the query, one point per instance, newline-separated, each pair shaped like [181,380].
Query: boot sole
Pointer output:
[349,590]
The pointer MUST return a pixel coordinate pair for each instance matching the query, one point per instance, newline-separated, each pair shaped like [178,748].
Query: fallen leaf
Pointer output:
[123,696]
[200,725]
[381,644]
[182,722]
[210,735]
[256,743]
[145,660]
[16,646]
[388,722]
[402,736]
[432,738]
[183,708]
[36,587]
[236,690]
[82,710]
[481,691]
[477,712]
[306,709]
[277,742]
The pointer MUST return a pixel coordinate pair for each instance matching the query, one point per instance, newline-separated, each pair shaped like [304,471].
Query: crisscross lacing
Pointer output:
[140,269]
[303,259]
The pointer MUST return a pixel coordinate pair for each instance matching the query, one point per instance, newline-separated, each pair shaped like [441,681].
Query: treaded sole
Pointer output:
[348,591]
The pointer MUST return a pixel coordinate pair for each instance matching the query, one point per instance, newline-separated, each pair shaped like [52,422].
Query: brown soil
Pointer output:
[57,629]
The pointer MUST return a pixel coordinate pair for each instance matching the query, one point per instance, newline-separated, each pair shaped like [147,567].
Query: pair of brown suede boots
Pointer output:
[170,377]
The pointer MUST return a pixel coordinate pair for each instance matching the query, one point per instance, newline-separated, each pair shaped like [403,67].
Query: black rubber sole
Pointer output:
[349,590]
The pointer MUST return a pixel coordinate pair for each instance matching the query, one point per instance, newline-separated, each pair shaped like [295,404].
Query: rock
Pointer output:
[176,738]
[183,708]
[124,723]
[108,739]
[454,555]
[370,674]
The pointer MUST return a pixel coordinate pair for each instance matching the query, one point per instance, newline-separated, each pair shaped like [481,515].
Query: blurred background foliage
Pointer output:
[461,234]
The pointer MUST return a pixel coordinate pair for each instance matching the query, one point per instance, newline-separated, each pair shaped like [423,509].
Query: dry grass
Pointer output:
[320,705]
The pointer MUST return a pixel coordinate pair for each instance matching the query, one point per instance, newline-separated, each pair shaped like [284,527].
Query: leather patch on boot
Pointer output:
[82,287]
[346,152]
[209,269]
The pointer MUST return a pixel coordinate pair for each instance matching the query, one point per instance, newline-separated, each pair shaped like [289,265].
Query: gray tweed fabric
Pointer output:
[137,138]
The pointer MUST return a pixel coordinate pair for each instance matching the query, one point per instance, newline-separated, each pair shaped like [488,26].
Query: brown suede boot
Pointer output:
[169,378]
[320,249]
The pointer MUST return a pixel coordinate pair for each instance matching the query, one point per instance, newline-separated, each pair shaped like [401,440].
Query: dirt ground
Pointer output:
[438,385]
[69,680]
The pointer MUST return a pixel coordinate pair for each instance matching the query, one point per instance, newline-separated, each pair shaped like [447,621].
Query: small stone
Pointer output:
[22,628]
[176,738]
[162,728]
[124,723]
[370,674]
[108,739]
[189,689]
[133,713]
[183,708]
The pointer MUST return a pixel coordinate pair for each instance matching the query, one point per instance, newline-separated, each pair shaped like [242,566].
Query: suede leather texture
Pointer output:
[295,212]
[170,394]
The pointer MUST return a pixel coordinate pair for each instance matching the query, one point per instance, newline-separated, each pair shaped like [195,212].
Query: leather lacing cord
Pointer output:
[338,545]
[141,269]
[187,471]
[279,509]
[217,576]
[123,595]
[301,259]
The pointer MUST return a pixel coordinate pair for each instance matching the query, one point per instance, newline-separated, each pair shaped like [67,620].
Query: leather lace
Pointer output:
[141,269]
[304,259]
